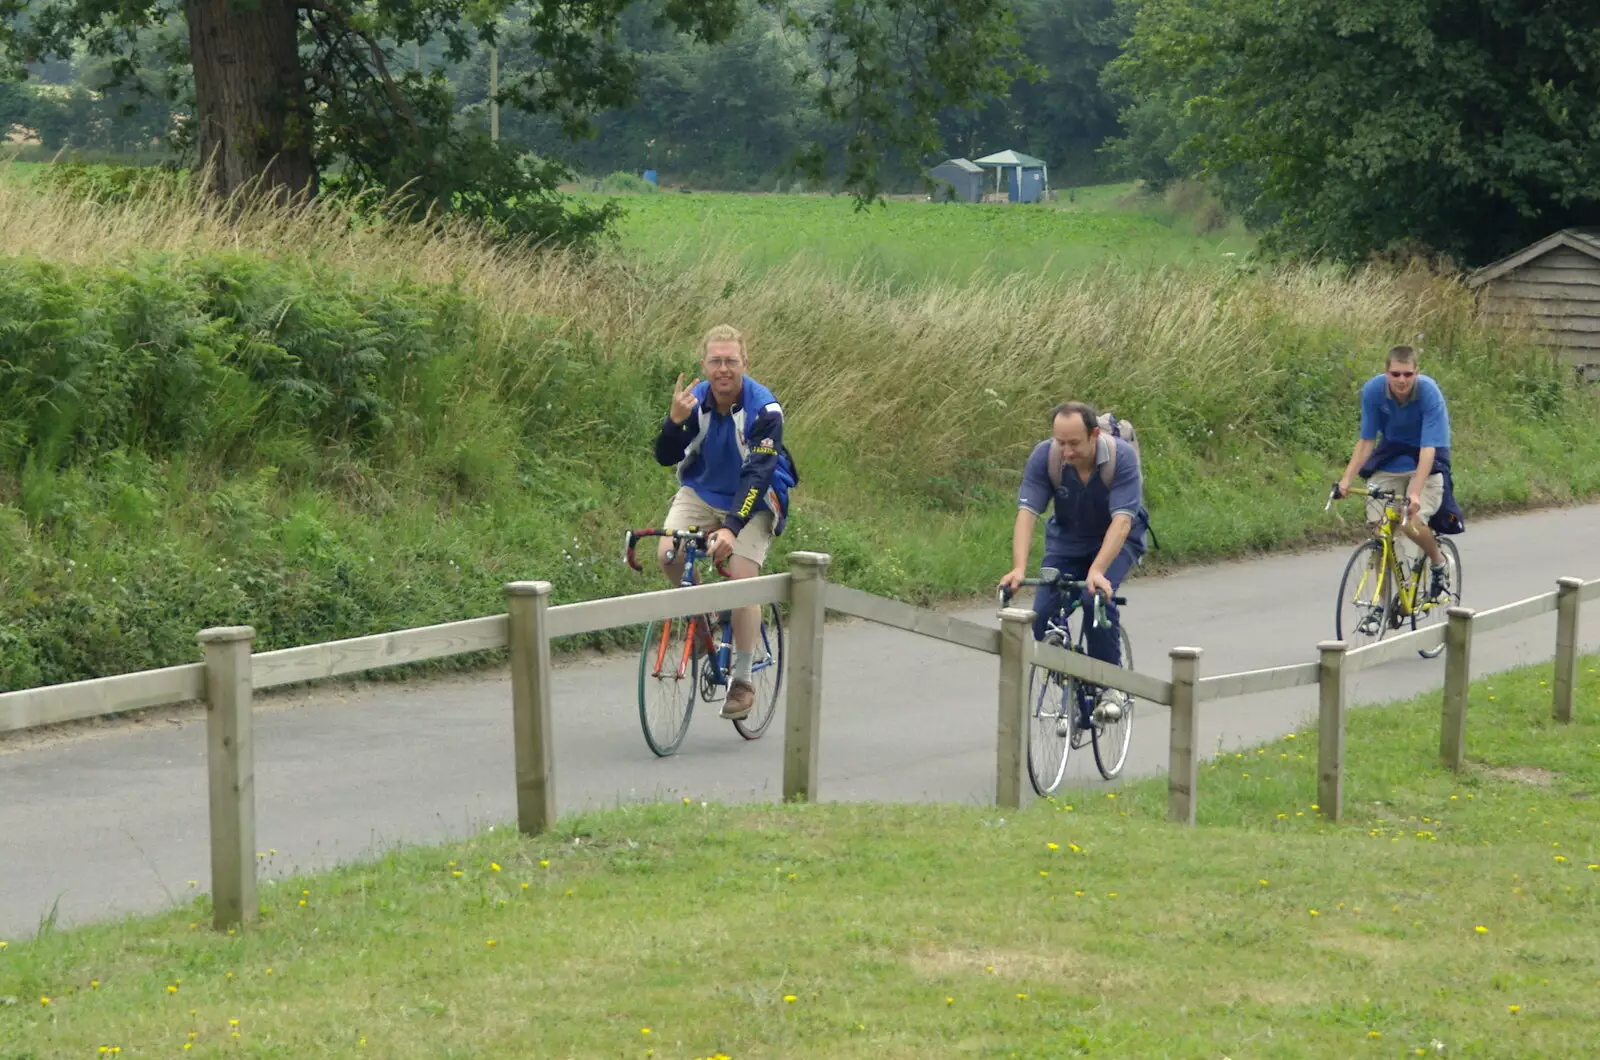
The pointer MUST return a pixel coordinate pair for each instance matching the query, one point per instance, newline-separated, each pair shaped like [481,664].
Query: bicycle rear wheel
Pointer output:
[1052,714]
[766,673]
[1364,610]
[1433,612]
[1111,740]
[667,669]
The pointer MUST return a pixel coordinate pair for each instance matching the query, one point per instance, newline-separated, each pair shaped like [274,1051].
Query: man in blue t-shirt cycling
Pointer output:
[1097,531]
[1407,411]
[725,435]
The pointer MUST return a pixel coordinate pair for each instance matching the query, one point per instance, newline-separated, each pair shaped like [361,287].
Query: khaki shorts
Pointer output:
[1400,483]
[689,509]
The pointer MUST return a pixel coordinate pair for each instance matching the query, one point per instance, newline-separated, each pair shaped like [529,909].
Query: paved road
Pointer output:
[117,823]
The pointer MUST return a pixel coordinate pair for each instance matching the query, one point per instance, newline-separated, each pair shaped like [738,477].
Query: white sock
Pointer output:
[741,665]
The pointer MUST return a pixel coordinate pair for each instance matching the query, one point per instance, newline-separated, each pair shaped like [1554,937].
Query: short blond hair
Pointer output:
[1402,355]
[724,333]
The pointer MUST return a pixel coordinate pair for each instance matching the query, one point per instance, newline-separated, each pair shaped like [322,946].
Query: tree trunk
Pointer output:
[252,112]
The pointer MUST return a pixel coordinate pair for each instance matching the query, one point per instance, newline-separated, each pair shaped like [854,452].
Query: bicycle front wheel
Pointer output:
[667,668]
[1112,738]
[1433,612]
[1052,713]
[766,673]
[1365,608]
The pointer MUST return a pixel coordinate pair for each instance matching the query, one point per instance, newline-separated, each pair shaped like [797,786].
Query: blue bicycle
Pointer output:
[687,657]
[1065,713]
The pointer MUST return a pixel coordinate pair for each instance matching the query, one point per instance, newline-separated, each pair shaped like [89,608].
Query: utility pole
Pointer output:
[494,91]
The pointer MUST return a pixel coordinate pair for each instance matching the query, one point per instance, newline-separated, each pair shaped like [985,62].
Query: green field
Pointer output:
[1449,915]
[903,240]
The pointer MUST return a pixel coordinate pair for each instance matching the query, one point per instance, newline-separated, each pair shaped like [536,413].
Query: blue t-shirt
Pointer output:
[1083,510]
[1422,422]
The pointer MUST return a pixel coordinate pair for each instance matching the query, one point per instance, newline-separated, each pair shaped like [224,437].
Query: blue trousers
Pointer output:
[1104,644]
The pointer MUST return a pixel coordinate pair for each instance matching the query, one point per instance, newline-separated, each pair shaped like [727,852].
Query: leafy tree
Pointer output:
[1469,127]
[285,90]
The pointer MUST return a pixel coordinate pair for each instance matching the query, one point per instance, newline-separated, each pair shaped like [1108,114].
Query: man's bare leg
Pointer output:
[746,620]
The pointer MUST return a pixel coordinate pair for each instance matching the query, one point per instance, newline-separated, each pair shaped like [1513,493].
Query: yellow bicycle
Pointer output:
[1383,591]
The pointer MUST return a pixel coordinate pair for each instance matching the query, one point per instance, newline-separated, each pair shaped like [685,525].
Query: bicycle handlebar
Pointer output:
[680,538]
[1368,491]
[1072,588]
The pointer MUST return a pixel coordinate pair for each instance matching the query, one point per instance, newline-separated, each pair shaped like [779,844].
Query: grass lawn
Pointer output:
[1450,915]
[919,240]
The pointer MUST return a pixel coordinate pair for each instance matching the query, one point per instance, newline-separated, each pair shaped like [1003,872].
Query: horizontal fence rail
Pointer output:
[1511,614]
[1084,668]
[1254,682]
[340,658]
[1393,648]
[53,704]
[592,616]
[880,609]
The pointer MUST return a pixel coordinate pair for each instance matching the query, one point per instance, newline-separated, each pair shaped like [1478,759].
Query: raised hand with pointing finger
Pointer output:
[683,400]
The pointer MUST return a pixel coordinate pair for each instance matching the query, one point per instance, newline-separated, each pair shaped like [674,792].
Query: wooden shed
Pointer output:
[1553,285]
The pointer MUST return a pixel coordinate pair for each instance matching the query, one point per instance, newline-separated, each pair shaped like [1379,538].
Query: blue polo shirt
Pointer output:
[1083,510]
[1421,422]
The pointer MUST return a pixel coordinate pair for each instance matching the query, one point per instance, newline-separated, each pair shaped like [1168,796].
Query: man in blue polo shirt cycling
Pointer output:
[1097,531]
[1407,411]
[725,435]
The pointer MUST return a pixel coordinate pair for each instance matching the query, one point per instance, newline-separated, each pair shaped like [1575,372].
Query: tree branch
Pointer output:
[396,100]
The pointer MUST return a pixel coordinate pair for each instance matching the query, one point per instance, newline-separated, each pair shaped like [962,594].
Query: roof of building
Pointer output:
[1583,240]
[963,164]
[1010,158]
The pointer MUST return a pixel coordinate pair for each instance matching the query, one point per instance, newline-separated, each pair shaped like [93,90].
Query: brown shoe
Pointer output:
[741,697]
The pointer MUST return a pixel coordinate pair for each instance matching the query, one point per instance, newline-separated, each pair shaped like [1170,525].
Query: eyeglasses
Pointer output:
[1401,375]
[716,363]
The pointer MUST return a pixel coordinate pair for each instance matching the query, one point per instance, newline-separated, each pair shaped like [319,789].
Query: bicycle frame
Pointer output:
[1389,564]
[718,654]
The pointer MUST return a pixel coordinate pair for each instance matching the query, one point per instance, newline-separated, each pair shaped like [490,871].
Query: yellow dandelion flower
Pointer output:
[194,883]
[1290,736]
[1043,872]
[1513,1009]
[525,887]
[4,944]
[172,989]
[456,874]
[1052,846]
[569,894]
[789,999]
[1314,806]
[1315,913]
[1022,997]
[269,971]
[792,876]
[489,943]
[1111,794]
[272,851]
[949,1001]
[1068,808]
[988,968]
[494,866]
[644,1030]
[1263,883]
[187,1046]
[1283,817]
[1075,848]
[233,1023]
[1078,894]
[1111,894]
[544,864]
[44,1001]
[1561,859]
[302,903]
[1374,1034]
[1480,929]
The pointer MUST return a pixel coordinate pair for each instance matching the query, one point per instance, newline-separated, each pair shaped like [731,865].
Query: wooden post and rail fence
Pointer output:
[231,674]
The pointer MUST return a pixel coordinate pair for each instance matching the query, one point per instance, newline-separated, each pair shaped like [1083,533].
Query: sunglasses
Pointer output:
[1401,375]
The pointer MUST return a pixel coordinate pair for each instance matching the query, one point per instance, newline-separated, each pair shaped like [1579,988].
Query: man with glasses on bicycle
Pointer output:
[1412,460]
[725,435]
[1097,531]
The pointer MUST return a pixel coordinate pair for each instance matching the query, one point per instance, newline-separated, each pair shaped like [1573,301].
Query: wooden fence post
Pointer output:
[1330,730]
[528,608]
[802,732]
[1566,680]
[1457,678]
[230,766]
[1183,763]
[1011,770]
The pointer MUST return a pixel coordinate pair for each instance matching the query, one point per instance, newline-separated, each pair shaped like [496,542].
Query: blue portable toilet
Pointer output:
[1024,178]
[651,178]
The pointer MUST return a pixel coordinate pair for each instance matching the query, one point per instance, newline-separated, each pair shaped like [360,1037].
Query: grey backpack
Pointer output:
[1109,424]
